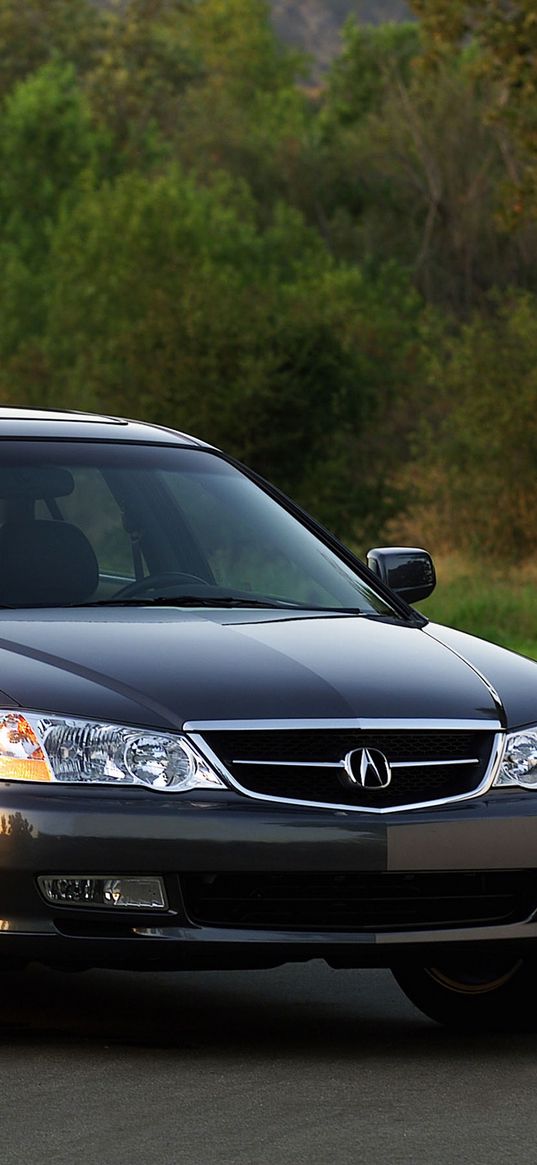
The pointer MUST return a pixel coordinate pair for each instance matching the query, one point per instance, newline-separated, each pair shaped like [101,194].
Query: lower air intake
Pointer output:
[359,901]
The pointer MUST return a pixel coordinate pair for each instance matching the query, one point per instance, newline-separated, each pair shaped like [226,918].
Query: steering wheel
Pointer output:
[166,578]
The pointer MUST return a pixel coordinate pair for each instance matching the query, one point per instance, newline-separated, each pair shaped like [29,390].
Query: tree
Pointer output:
[506,33]
[179,308]
[369,60]
[243,112]
[137,83]
[418,171]
[472,480]
[46,143]
[167,300]
[35,32]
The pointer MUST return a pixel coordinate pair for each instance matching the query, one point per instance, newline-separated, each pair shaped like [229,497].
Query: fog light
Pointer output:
[115,891]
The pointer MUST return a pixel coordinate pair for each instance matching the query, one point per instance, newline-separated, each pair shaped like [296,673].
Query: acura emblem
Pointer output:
[366,768]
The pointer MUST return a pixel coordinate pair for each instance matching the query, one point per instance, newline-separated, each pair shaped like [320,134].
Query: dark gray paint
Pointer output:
[183,666]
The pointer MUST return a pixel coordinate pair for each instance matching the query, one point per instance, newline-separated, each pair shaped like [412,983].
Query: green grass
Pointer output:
[498,606]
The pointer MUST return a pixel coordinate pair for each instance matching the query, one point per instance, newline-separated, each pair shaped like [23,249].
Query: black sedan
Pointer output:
[225,742]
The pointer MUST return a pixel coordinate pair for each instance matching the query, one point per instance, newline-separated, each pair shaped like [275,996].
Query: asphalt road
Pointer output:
[298,1066]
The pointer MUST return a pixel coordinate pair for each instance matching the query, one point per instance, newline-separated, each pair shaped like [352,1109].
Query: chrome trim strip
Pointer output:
[381,725]
[294,764]
[429,764]
[340,764]
[493,768]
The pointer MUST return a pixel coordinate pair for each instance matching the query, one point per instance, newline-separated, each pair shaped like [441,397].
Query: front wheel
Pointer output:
[480,993]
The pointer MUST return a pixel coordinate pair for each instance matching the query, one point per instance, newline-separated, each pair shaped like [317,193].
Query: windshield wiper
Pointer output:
[215,601]
[195,601]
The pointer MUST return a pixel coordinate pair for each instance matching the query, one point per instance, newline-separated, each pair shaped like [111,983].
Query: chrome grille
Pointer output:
[306,765]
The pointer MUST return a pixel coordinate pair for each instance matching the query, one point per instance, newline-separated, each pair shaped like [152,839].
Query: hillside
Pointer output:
[313,25]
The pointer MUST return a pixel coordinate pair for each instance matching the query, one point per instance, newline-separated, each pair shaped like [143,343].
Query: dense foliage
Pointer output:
[315,25]
[338,284]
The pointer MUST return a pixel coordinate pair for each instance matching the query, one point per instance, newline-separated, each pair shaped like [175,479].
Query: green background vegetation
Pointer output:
[332,274]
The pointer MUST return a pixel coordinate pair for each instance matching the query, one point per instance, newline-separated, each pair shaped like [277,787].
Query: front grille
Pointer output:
[359,901]
[282,763]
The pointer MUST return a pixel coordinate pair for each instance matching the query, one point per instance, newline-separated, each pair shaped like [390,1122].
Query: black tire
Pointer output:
[495,992]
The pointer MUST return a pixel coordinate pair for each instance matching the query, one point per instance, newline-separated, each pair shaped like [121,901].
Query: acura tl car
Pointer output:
[225,742]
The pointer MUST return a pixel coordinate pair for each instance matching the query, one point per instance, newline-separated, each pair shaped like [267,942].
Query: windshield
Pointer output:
[85,522]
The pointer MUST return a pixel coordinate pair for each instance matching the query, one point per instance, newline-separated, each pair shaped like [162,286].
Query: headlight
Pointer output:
[519,766]
[54,748]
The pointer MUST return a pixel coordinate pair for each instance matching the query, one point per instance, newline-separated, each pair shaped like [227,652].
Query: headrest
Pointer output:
[44,562]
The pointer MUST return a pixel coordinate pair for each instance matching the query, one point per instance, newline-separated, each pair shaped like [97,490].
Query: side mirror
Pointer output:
[405,569]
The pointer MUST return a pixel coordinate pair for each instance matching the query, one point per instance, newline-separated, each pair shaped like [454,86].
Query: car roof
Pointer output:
[68,424]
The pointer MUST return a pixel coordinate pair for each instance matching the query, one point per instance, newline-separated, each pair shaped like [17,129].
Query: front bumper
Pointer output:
[103,831]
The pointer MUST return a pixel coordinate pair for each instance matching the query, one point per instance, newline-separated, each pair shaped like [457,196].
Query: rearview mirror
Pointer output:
[405,569]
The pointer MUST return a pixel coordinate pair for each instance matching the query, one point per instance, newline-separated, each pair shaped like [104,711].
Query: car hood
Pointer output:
[165,667]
